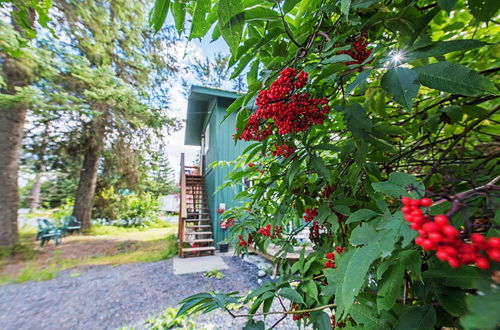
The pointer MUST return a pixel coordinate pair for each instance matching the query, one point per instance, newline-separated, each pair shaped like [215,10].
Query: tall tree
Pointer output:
[16,75]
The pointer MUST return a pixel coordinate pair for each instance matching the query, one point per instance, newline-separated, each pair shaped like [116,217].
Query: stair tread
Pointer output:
[196,249]
[199,226]
[198,233]
[200,240]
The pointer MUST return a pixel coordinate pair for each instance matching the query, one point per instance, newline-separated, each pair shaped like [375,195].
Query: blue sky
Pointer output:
[192,49]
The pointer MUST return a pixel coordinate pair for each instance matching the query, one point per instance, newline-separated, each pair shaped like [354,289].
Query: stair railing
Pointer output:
[182,206]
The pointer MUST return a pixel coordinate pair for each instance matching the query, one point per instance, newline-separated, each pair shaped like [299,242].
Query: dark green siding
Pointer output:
[221,147]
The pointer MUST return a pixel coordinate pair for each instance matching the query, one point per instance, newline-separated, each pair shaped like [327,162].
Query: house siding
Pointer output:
[221,147]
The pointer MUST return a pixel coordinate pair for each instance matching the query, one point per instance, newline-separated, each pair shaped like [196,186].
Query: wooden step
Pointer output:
[197,219]
[199,226]
[200,240]
[199,249]
[198,233]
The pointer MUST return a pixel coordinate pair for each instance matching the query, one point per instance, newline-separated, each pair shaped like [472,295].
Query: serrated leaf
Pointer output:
[231,19]
[447,4]
[179,13]
[452,300]
[483,308]
[321,320]
[357,121]
[399,184]
[483,10]
[309,287]
[410,259]
[291,294]
[389,287]
[254,325]
[344,7]
[454,78]
[200,26]
[319,166]
[337,59]
[441,48]
[260,13]
[158,14]
[417,318]
[361,78]
[402,84]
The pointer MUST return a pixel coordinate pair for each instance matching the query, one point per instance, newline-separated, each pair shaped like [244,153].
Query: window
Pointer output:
[206,139]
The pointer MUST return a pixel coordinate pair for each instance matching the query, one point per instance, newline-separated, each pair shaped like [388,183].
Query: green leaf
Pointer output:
[417,318]
[402,84]
[158,14]
[447,4]
[289,5]
[179,13]
[398,228]
[463,277]
[483,308]
[236,105]
[344,7]
[337,59]
[362,3]
[200,25]
[310,289]
[260,13]
[231,20]
[291,294]
[389,287]
[254,325]
[319,166]
[362,234]
[399,184]
[357,120]
[454,78]
[353,266]
[242,64]
[410,259]
[483,10]
[454,112]
[361,78]
[452,300]
[441,47]
[241,121]
[321,320]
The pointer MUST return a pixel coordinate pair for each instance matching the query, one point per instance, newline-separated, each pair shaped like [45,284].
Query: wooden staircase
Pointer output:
[195,229]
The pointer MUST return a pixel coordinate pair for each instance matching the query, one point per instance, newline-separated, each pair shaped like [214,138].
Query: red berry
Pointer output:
[419,240]
[426,202]
[494,254]
[494,242]
[450,250]
[450,231]
[478,238]
[441,220]
[406,209]
[431,227]
[415,203]
[427,244]
[406,201]
[482,263]
[442,255]
[435,237]
[454,262]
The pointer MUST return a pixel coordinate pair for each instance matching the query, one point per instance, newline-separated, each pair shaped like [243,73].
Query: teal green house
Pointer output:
[204,128]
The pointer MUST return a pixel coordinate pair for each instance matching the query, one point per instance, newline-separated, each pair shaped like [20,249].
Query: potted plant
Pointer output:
[223,246]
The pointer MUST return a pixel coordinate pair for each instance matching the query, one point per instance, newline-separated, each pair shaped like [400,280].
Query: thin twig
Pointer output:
[301,311]
[455,142]
[489,186]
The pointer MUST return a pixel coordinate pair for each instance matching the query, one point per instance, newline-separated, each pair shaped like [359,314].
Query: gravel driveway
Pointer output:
[107,297]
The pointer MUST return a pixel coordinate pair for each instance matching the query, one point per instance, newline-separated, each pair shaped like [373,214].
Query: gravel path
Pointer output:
[107,297]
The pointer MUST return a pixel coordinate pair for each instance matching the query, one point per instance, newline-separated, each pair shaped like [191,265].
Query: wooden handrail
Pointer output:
[183,210]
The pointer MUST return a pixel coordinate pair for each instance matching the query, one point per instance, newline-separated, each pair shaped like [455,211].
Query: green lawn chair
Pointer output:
[46,231]
[69,225]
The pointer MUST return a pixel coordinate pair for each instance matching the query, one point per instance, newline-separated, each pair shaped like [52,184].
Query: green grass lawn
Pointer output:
[101,246]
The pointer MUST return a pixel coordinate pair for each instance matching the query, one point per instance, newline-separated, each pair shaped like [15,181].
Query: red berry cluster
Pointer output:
[220,211]
[315,228]
[438,235]
[290,111]
[250,164]
[331,257]
[358,50]
[310,214]
[297,317]
[327,191]
[225,224]
[243,242]
[284,150]
[266,231]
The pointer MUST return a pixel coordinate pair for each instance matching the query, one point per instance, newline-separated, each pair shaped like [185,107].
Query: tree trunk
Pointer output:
[40,170]
[88,175]
[35,192]
[11,133]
